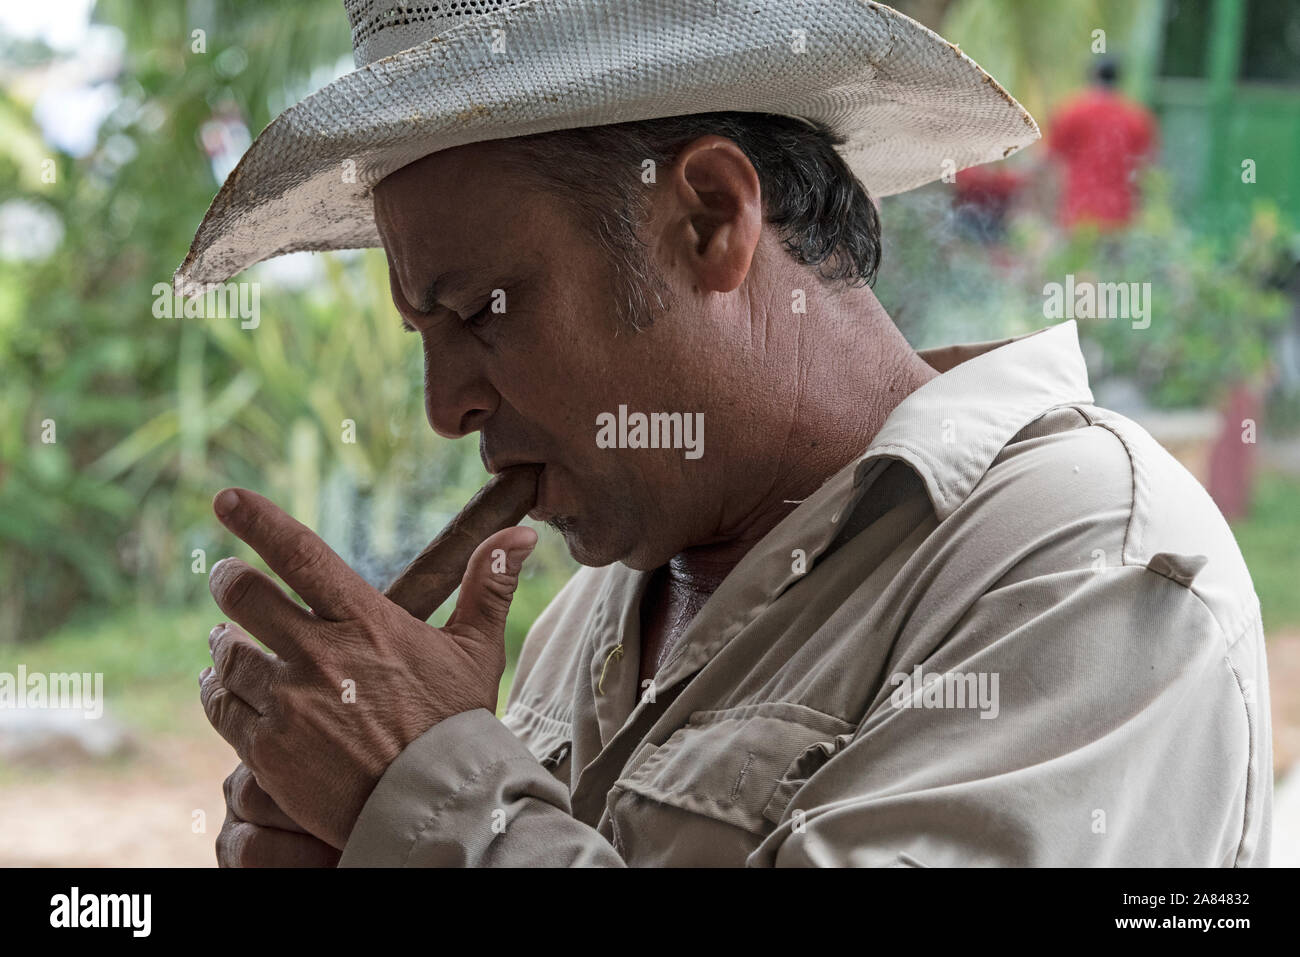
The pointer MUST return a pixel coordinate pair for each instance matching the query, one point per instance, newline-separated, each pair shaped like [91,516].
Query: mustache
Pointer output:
[498,454]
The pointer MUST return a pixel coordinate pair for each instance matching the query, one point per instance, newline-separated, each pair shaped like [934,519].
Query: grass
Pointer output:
[1270,541]
[151,656]
[150,659]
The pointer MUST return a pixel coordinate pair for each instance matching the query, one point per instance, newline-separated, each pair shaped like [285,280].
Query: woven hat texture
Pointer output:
[435,75]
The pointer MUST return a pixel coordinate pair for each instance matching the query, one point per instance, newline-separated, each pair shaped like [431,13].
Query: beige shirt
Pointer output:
[1014,632]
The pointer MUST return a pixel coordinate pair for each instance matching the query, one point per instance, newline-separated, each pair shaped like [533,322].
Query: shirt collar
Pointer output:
[949,431]
[952,428]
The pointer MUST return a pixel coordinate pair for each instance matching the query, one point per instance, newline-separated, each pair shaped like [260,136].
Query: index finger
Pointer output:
[294,552]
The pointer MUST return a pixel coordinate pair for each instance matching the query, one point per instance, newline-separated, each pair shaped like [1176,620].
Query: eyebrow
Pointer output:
[448,282]
[428,300]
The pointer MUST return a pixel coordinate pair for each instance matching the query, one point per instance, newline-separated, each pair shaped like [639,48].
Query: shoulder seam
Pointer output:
[1131,533]
[1241,615]
[1252,760]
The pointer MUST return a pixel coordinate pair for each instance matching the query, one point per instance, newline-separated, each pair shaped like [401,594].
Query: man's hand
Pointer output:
[353,681]
[256,833]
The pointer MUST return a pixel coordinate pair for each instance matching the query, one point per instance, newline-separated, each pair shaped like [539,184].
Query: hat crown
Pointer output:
[382,28]
[438,74]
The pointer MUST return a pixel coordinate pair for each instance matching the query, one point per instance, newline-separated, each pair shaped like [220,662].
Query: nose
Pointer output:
[458,398]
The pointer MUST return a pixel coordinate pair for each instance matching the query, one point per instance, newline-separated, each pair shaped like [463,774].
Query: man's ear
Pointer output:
[716,213]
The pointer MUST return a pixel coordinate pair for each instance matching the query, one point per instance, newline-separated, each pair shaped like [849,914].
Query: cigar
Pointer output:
[434,574]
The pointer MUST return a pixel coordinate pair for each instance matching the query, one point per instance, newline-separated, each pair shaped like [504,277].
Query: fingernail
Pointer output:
[204,673]
[212,635]
[217,574]
[225,503]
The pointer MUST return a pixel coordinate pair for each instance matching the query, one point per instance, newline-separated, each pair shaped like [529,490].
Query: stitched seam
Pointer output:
[1251,763]
[922,461]
[1061,408]
[740,778]
[915,459]
[1247,625]
[771,710]
[544,721]
[709,806]
[1133,518]
[442,805]
[1129,529]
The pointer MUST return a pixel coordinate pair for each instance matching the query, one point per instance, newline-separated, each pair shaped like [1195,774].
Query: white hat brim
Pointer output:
[911,105]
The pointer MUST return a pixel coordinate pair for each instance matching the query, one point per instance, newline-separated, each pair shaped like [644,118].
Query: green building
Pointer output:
[1224,78]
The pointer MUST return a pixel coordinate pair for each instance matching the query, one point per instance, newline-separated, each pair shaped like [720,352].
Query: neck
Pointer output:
[848,384]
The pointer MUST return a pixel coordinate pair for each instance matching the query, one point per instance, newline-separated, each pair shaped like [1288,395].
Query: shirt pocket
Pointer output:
[703,796]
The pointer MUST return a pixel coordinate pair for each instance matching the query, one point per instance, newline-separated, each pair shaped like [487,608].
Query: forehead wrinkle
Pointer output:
[407,244]
[445,284]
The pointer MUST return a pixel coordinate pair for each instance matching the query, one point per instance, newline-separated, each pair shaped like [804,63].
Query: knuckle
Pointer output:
[499,590]
[207,691]
[248,796]
[232,587]
[231,785]
[235,661]
[245,845]
[256,750]
[303,552]
[223,650]
[229,844]
[219,703]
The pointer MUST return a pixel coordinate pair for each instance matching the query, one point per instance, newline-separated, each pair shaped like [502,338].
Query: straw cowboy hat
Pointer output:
[433,75]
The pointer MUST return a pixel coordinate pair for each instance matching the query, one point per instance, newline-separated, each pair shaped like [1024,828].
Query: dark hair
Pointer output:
[821,211]
[1106,71]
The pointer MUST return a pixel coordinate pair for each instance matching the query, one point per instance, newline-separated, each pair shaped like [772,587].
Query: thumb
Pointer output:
[489,584]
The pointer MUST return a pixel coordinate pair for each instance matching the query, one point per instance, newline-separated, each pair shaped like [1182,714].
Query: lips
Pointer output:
[539,512]
[494,464]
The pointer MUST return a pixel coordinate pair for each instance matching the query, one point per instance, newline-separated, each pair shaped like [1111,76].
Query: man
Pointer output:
[890,608]
[1102,140]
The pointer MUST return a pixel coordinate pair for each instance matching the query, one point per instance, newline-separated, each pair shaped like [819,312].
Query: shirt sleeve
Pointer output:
[1120,731]
[468,793]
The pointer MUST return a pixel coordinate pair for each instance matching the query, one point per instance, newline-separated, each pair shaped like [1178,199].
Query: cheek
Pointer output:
[567,361]
[557,377]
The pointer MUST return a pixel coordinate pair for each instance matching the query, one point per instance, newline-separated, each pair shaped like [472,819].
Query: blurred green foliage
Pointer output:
[1268,538]
[153,416]
[1044,51]
[1215,311]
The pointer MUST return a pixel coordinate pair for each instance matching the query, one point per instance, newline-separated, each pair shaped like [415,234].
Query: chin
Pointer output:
[596,551]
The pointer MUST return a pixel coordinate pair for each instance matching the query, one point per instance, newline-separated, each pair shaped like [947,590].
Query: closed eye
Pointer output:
[480,319]
[399,300]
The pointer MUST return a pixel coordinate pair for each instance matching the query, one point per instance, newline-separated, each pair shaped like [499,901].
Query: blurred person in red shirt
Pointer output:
[1103,139]
[983,200]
